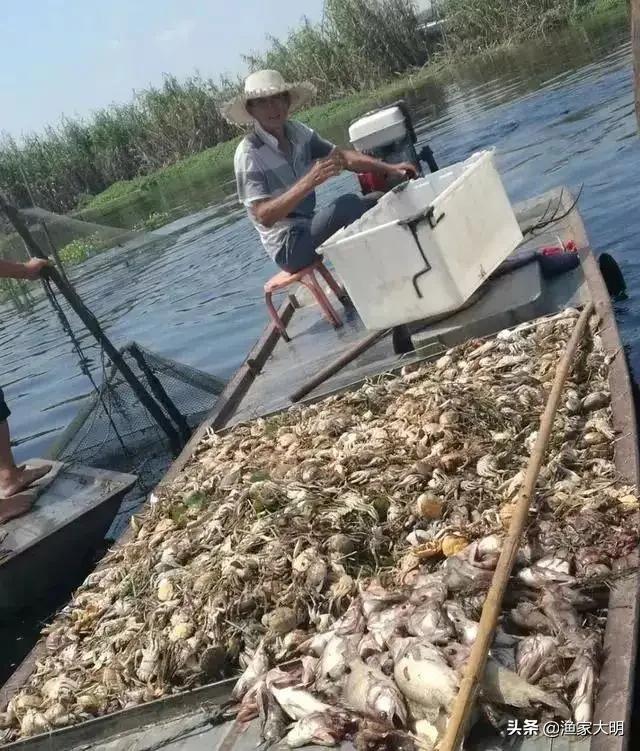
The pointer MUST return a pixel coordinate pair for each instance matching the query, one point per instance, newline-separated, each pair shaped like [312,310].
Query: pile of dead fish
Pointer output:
[362,532]
[389,668]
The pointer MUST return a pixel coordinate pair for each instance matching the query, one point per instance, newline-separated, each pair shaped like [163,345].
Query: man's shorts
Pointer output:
[4,410]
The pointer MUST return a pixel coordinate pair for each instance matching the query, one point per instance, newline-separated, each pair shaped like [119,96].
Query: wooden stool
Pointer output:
[307,277]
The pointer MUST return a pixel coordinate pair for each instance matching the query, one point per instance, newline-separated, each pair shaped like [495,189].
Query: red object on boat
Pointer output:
[370,182]
[554,250]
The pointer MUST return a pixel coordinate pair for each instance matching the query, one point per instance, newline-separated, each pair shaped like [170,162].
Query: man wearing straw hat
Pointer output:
[281,162]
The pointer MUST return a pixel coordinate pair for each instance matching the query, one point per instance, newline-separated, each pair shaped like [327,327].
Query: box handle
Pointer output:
[429,214]
[412,224]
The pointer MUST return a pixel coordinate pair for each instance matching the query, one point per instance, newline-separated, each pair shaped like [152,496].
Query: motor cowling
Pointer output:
[387,134]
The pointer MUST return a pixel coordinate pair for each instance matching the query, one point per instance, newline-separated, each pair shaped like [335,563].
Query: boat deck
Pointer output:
[72,512]
[518,296]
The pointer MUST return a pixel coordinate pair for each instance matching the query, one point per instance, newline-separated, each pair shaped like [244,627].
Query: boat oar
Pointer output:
[456,727]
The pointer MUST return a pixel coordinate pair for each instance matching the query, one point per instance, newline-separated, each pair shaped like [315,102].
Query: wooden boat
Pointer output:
[262,385]
[48,546]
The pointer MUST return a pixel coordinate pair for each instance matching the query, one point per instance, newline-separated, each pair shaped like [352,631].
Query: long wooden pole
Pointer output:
[91,322]
[456,728]
[340,362]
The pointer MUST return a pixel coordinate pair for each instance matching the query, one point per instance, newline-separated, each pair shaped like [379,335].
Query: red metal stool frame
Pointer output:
[307,277]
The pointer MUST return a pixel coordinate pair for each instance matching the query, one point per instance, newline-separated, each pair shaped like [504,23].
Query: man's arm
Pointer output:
[270,210]
[29,270]
[355,161]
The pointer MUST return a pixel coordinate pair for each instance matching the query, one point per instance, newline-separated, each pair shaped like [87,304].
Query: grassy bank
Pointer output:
[66,166]
[211,170]
[207,174]
[168,133]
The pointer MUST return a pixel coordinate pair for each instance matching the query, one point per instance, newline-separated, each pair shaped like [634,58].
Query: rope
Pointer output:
[543,222]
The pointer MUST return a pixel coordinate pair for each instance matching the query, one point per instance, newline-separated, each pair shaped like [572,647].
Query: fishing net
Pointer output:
[114,431]
[62,234]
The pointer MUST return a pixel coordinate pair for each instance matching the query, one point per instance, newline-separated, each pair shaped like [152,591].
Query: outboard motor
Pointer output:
[388,134]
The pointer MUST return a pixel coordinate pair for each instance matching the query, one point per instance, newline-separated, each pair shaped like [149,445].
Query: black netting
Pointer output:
[114,431]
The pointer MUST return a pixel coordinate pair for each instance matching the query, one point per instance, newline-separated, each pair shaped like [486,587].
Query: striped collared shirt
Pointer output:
[264,171]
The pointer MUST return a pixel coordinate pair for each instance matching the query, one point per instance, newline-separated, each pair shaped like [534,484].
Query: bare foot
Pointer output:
[23,478]
[11,508]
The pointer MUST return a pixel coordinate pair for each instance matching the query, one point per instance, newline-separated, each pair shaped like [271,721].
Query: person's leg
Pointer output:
[13,479]
[298,251]
[342,212]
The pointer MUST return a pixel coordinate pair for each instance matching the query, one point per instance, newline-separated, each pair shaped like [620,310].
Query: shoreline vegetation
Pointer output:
[142,154]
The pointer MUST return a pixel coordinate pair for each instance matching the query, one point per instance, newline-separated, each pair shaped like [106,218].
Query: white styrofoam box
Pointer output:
[428,245]
[378,129]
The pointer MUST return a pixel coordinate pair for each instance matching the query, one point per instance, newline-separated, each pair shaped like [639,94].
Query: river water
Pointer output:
[558,111]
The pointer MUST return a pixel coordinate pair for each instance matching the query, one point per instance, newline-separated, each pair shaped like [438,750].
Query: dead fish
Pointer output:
[353,620]
[549,569]
[368,646]
[582,674]
[383,626]
[434,581]
[499,720]
[423,676]
[273,720]
[316,644]
[374,736]
[430,621]
[381,661]
[427,734]
[376,598]
[337,654]
[290,643]
[535,654]
[559,610]
[472,605]
[321,729]
[309,667]
[503,686]
[434,592]
[282,678]
[298,703]
[505,656]
[467,629]
[592,562]
[582,701]
[527,617]
[371,693]
[461,576]
[249,706]
[484,553]
[258,666]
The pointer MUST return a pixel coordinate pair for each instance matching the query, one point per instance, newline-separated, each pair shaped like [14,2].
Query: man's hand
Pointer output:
[323,169]
[339,158]
[404,169]
[33,268]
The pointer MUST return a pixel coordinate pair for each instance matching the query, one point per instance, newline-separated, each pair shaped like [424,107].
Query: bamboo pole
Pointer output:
[340,362]
[474,670]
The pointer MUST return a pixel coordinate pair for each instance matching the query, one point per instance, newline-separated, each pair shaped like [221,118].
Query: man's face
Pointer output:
[270,111]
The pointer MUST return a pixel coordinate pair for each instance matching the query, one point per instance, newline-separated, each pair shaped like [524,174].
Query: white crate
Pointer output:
[425,248]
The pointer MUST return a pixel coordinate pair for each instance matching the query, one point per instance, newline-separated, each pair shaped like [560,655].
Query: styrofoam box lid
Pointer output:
[378,121]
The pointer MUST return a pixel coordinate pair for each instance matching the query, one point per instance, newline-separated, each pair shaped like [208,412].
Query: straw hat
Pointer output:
[265,83]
